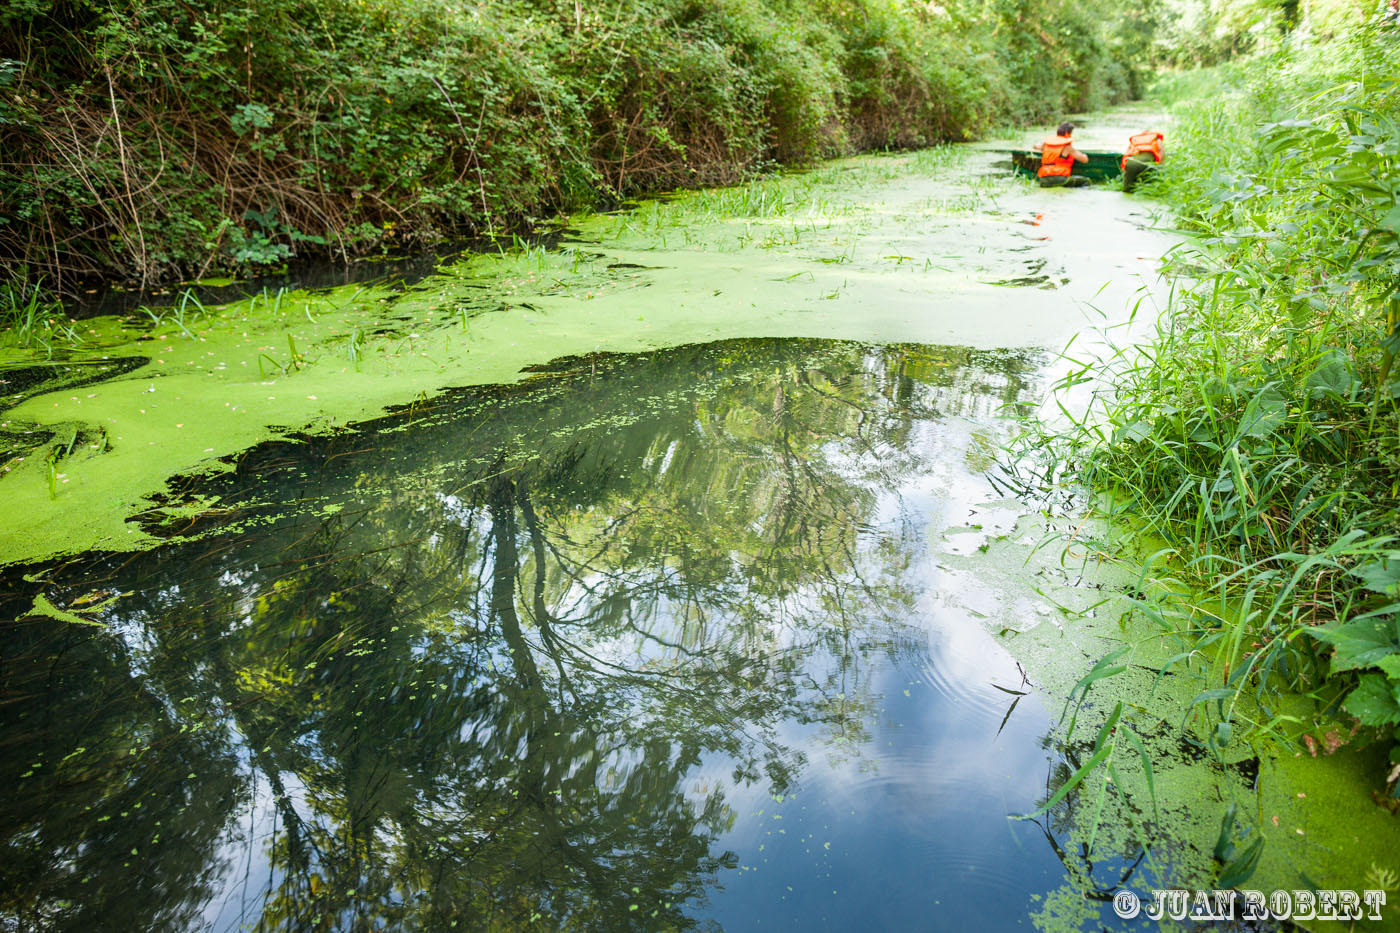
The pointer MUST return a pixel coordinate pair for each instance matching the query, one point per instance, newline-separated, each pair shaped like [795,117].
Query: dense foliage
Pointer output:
[1200,33]
[151,138]
[1260,434]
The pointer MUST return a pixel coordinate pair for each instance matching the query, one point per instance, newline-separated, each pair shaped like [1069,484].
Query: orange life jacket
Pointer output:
[1148,141]
[1053,158]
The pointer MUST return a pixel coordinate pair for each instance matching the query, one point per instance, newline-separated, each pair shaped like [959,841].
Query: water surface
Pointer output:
[692,627]
[657,641]
[940,247]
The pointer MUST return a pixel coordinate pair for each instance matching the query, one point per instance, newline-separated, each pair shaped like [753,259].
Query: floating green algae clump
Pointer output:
[1179,802]
[892,249]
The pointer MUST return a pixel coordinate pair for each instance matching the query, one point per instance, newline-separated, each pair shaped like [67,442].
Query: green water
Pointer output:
[642,643]
[685,585]
[938,247]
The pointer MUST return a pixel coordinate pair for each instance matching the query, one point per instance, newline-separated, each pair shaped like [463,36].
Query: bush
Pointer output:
[162,138]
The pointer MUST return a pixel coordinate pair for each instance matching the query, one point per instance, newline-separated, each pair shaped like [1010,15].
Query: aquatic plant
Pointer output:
[278,364]
[355,346]
[51,469]
[177,312]
[32,319]
[1258,435]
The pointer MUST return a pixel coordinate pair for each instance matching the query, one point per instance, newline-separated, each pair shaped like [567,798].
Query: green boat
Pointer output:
[1102,166]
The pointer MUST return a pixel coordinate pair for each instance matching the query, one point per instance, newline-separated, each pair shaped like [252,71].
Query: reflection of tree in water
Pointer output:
[102,824]
[476,690]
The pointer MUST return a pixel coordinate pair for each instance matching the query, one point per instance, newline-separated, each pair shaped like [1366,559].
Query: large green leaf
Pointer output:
[1333,377]
[1374,701]
[1132,432]
[1359,644]
[1391,221]
[1265,413]
[1381,576]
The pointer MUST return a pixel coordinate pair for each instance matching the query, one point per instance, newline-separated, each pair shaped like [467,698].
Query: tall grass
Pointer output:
[1258,434]
[32,319]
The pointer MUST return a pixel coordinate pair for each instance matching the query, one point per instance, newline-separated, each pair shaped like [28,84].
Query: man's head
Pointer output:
[1066,129]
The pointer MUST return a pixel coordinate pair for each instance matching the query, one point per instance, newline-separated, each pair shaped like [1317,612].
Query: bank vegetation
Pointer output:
[148,141]
[1258,434]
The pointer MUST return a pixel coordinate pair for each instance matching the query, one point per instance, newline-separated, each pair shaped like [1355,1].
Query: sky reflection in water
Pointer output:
[658,641]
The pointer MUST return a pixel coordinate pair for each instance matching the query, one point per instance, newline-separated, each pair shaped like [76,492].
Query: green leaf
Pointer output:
[1103,668]
[1136,742]
[1265,413]
[1391,221]
[1133,432]
[1218,694]
[1359,644]
[1374,701]
[1334,377]
[1285,127]
[1069,785]
[1108,725]
[1381,576]
[1223,731]
[1224,848]
[1242,867]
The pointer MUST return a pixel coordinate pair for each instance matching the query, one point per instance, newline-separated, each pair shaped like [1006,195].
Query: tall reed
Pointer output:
[1258,434]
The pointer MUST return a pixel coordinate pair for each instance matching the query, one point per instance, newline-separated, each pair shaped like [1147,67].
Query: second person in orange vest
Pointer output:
[1057,158]
[1145,152]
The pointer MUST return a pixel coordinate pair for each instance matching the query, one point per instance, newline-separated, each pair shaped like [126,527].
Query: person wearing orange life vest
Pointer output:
[1057,158]
[1145,152]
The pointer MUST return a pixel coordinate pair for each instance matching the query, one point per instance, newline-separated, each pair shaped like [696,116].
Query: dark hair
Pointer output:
[1066,128]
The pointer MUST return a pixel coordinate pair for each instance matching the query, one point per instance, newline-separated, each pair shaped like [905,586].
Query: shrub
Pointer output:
[161,138]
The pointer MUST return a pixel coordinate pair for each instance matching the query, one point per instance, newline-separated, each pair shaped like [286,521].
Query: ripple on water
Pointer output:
[968,670]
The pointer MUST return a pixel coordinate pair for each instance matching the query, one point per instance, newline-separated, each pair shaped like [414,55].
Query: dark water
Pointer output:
[650,642]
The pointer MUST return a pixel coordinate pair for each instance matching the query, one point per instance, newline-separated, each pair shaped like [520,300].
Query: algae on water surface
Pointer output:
[732,608]
[889,248]
[760,591]
[576,647]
